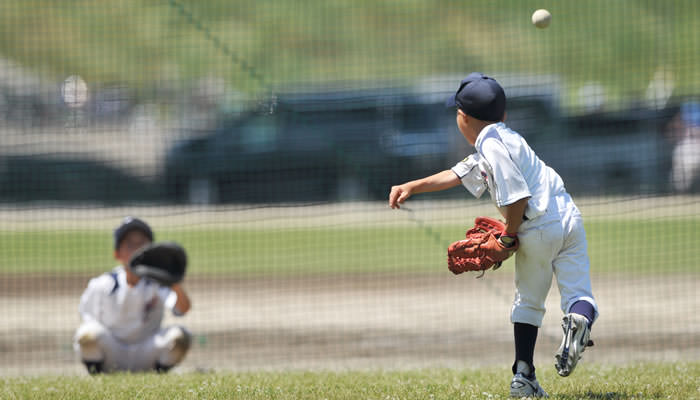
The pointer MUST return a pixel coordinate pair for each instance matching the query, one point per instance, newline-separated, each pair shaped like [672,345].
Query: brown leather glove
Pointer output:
[481,249]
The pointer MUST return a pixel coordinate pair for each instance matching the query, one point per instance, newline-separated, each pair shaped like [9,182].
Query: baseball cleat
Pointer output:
[574,342]
[522,386]
[162,369]
[94,367]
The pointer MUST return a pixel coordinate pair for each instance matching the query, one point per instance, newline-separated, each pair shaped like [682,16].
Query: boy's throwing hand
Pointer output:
[398,195]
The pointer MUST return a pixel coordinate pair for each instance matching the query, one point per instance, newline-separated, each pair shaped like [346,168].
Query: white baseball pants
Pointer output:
[553,244]
[93,342]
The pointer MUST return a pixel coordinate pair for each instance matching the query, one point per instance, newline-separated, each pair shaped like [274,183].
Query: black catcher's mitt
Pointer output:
[163,262]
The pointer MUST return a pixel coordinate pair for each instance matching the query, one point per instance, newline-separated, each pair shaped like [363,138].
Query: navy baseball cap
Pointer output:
[479,96]
[129,224]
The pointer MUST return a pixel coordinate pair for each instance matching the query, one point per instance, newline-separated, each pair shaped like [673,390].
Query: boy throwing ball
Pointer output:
[543,227]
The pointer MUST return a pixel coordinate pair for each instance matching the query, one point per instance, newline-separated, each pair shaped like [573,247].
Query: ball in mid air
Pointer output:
[541,18]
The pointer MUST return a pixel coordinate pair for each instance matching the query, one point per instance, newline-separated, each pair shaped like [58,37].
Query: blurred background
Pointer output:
[239,127]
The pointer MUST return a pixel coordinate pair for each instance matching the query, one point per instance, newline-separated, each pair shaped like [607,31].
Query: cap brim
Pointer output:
[451,101]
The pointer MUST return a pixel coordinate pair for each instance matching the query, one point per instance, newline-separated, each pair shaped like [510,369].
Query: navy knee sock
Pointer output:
[525,338]
[584,308]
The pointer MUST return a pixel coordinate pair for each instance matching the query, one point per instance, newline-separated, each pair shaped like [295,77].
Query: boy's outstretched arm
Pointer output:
[433,183]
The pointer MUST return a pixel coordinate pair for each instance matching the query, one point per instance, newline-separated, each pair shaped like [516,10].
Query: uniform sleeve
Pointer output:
[170,299]
[462,168]
[508,182]
[469,173]
[87,308]
[91,301]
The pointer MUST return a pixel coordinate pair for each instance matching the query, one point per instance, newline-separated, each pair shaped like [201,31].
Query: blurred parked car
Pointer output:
[621,152]
[350,145]
[41,178]
[313,147]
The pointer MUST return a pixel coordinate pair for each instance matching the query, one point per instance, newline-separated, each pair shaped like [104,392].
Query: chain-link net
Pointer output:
[265,136]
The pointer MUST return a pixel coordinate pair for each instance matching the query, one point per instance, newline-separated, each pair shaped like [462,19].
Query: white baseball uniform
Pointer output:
[552,238]
[121,324]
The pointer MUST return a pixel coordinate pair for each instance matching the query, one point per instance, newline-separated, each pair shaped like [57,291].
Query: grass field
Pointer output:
[642,381]
[615,246]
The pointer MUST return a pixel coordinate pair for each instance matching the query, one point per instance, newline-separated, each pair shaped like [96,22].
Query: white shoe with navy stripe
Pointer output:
[576,338]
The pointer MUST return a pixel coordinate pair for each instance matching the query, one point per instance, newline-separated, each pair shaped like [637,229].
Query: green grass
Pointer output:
[644,381]
[255,45]
[658,246]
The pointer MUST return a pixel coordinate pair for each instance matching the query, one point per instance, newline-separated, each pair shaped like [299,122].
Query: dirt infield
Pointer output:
[388,321]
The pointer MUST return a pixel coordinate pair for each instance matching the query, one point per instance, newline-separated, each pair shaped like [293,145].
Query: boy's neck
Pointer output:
[479,125]
[131,278]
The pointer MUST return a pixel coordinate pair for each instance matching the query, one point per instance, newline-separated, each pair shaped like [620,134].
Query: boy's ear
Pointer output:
[116,254]
[504,116]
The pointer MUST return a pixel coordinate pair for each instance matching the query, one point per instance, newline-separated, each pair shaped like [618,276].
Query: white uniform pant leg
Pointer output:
[172,344]
[167,348]
[86,341]
[95,343]
[572,265]
[533,271]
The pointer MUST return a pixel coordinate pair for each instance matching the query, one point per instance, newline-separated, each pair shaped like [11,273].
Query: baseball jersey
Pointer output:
[131,314]
[510,169]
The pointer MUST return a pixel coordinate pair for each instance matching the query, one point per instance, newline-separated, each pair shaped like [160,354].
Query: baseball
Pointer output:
[541,18]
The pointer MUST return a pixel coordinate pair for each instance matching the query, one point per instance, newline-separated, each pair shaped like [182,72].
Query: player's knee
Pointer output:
[527,315]
[183,339]
[90,333]
[177,344]
[88,340]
